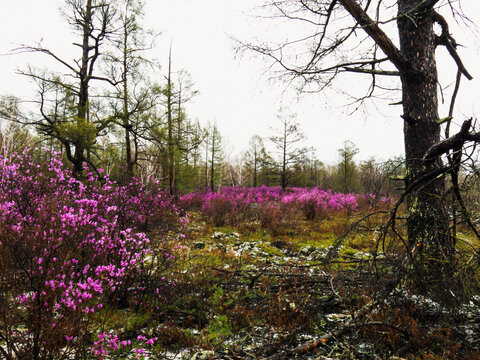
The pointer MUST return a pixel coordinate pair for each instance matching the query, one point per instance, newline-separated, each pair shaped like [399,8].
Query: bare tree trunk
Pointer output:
[206,163]
[171,152]
[427,221]
[212,164]
[79,155]
[126,121]
[255,160]
[284,160]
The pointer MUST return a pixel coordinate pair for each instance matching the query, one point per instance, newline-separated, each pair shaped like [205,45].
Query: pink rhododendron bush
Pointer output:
[71,249]
[271,205]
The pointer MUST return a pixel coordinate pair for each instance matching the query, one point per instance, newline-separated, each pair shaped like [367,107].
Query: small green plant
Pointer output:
[219,329]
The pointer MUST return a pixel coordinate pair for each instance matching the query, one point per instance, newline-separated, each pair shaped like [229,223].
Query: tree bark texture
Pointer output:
[427,221]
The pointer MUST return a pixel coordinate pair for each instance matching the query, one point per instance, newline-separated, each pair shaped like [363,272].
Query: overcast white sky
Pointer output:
[236,91]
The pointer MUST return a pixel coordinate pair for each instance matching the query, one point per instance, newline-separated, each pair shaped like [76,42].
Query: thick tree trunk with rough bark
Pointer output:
[427,222]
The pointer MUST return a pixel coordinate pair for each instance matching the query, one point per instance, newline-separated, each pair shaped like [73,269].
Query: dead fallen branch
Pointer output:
[328,338]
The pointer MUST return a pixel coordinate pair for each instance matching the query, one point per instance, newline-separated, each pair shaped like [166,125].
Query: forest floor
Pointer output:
[243,294]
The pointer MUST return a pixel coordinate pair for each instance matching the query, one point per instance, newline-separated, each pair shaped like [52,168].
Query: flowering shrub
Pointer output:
[275,217]
[230,205]
[314,202]
[108,343]
[193,200]
[65,251]
[372,201]
[271,206]
[218,208]
[142,207]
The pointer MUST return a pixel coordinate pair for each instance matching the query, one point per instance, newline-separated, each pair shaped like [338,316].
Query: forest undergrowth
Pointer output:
[106,270]
[245,293]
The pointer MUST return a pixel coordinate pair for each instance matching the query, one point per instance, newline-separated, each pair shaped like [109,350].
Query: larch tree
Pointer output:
[170,105]
[373,180]
[69,119]
[192,136]
[214,156]
[13,137]
[186,139]
[315,167]
[134,95]
[347,172]
[287,140]
[255,156]
[174,134]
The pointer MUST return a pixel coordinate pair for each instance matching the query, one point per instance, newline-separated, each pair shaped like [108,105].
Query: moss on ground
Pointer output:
[256,300]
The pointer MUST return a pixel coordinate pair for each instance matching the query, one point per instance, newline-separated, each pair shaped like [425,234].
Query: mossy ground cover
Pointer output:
[242,294]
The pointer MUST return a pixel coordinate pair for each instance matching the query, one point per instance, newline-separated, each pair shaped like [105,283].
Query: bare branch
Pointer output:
[110,81]
[377,34]
[449,42]
[39,48]
[372,71]
[454,142]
